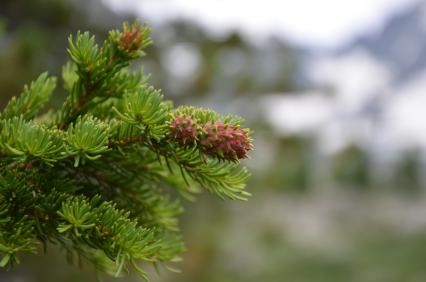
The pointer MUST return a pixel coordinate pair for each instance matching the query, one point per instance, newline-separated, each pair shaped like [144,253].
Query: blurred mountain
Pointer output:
[364,106]
[401,44]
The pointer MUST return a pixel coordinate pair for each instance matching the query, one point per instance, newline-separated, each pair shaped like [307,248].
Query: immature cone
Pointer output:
[184,129]
[130,39]
[226,141]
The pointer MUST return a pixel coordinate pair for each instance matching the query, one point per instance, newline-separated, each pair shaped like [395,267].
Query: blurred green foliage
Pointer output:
[350,167]
[34,38]
[408,172]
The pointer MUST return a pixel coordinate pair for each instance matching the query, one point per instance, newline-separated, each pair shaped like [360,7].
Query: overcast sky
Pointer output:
[316,23]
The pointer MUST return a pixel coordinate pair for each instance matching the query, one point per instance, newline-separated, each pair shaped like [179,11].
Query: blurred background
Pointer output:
[336,94]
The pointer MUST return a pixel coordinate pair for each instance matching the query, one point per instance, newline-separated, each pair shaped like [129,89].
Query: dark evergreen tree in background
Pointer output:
[102,175]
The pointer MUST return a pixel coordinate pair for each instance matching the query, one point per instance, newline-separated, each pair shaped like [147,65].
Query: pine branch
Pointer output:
[102,176]
[32,99]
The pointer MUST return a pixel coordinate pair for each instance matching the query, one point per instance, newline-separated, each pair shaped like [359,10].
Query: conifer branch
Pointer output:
[102,176]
